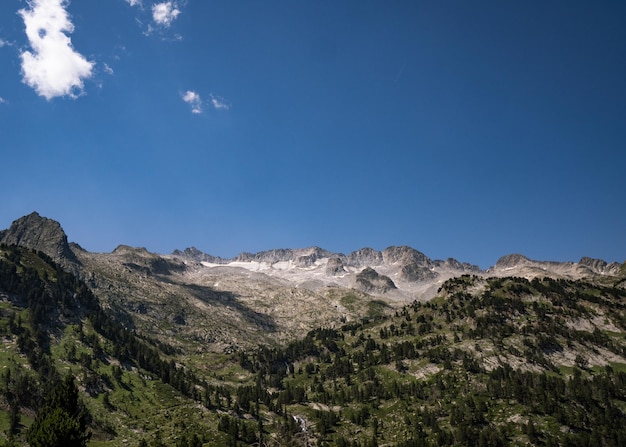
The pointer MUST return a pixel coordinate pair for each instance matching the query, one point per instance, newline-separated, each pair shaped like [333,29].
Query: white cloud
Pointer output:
[164,13]
[194,100]
[3,42]
[53,68]
[2,100]
[134,2]
[107,69]
[219,103]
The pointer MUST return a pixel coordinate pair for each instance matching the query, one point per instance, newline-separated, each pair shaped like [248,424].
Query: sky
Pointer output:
[463,129]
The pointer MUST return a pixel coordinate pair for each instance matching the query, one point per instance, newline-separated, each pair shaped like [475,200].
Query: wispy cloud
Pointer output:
[53,68]
[165,13]
[3,42]
[2,100]
[194,100]
[108,69]
[134,2]
[219,103]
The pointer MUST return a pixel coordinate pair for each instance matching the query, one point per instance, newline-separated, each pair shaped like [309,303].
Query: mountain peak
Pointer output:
[39,233]
[406,255]
[512,260]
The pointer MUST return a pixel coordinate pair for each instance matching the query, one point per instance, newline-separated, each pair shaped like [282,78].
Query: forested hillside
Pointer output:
[489,361]
[55,337]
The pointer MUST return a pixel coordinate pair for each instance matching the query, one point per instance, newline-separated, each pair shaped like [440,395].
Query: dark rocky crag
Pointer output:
[195,255]
[40,234]
[335,267]
[370,281]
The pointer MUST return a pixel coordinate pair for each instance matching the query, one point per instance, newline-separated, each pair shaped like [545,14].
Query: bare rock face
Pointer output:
[41,234]
[193,254]
[365,257]
[370,281]
[600,266]
[270,256]
[305,256]
[142,261]
[306,261]
[416,273]
[405,255]
[513,260]
[334,267]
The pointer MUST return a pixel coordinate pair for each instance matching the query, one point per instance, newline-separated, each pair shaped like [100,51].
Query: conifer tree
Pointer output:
[62,422]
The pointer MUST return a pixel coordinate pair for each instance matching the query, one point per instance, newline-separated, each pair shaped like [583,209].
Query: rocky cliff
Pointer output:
[41,234]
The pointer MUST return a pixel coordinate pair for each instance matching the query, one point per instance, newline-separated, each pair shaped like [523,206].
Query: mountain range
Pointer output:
[267,296]
[304,347]
[412,273]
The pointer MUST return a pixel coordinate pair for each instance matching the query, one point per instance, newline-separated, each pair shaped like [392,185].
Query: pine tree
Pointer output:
[63,420]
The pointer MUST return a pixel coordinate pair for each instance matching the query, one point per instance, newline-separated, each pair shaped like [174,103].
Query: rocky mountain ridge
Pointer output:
[520,265]
[305,257]
[268,296]
[412,273]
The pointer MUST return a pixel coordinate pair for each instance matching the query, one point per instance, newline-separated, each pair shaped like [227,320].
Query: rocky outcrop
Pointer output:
[195,255]
[141,260]
[305,261]
[285,254]
[364,257]
[370,281]
[510,261]
[600,266]
[41,234]
[270,256]
[405,255]
[415,273]
[453,264]
[519,265]
[334,267]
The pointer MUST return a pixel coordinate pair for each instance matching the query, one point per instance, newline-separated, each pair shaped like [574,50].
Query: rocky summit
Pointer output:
[40,234]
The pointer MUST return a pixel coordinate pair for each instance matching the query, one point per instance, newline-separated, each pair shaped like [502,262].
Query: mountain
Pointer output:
[519,265]
[41,234]
[267,297]
[69,366]
[413,273]
[306,347]
[489,361]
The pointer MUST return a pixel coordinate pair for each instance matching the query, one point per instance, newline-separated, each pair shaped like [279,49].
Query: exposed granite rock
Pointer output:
[319,253]
[416,273]
[512,260]
[305,261]
[600,266]
[286,254]
[471,267]
[193,254]
[449,263]
[270,256]
[141,260]
[334,267]
[405,255]
[370,281]
[364,257]
[41,234]
[453,264]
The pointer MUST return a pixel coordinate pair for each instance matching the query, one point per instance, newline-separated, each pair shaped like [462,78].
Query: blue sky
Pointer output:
[463,129]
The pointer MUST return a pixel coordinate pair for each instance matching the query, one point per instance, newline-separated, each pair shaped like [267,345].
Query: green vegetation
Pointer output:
[489,362]
[62,422]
